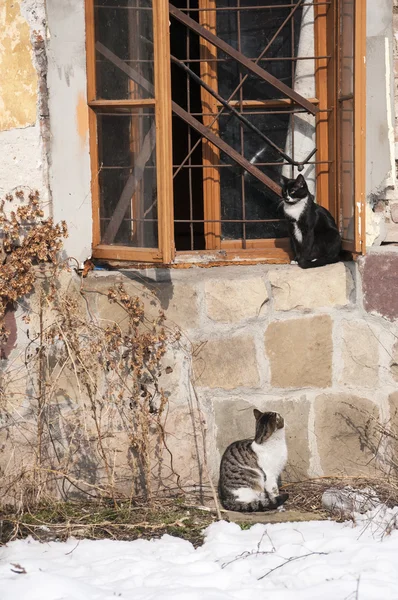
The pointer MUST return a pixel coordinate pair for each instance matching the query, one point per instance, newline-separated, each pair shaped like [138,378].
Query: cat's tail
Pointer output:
[344,255]
[304,263]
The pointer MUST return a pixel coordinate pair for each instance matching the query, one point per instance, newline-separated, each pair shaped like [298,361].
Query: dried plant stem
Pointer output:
[203,433]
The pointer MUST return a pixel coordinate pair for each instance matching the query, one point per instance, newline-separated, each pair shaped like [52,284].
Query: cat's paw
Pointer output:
[293,262]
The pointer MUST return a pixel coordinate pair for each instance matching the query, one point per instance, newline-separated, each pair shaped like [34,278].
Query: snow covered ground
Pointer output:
[302,561]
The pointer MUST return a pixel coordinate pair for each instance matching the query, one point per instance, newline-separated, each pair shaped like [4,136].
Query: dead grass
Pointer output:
[100,521]
[178,516]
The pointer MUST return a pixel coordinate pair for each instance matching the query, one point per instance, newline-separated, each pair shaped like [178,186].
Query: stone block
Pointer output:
[394,362]
[360,355]
[184,453]
[233,300]
[300,352]
[227,363]
[295,288]
[346,434]
[390,438]
[379,282]
[235,421]
[179,300]
[174,377]
[96,292]
[394,205]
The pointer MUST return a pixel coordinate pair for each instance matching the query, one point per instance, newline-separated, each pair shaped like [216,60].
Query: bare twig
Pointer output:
[292,559]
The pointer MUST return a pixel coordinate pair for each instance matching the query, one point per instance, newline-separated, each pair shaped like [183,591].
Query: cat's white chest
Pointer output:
[294,211]
[272,455]
[297,233]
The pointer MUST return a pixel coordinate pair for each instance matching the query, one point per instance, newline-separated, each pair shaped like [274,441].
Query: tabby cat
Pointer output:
[250,469]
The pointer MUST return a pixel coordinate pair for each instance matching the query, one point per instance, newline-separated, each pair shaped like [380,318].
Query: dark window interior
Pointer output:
[242,196]
[188,182]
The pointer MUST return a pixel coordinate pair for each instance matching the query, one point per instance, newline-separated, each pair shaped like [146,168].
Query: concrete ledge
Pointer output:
[274,516]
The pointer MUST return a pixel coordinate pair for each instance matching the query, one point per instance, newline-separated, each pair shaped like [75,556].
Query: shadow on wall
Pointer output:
[161,285]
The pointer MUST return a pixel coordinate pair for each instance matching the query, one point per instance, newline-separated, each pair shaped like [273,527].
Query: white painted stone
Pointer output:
[230,301]
[296,288]
[70,174]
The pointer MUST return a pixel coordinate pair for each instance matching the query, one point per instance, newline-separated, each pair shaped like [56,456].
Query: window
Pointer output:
[198,108]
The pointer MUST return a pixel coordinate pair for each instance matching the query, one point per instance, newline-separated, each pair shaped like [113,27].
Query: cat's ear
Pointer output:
[300,181]
[257,414]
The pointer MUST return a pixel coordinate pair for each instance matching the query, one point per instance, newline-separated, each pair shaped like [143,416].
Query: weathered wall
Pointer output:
[380,119]
[22,83]
[319,346]
[43,110]
[70,161]
[44,116]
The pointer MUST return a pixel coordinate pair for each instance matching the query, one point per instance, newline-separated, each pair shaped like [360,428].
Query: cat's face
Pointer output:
[266,424]
[294,190]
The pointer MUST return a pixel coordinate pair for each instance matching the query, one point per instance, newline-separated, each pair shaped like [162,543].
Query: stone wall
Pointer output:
[309,344]
[319,346]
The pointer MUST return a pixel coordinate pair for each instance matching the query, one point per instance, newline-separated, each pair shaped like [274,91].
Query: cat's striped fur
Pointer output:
[250,469]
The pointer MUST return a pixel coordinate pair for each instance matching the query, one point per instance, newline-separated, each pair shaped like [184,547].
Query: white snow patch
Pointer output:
[286,561]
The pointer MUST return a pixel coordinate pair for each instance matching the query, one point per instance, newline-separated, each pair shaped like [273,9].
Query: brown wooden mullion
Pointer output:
[240,58]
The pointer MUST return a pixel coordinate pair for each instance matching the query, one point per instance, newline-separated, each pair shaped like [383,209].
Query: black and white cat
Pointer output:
[250,469]
[314,236]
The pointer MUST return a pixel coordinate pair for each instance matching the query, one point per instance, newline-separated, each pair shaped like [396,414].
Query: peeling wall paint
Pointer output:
[24,120]
[82,118]
[18,79]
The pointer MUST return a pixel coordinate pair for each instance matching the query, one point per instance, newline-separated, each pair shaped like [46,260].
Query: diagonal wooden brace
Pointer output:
[194,123]
[242,59]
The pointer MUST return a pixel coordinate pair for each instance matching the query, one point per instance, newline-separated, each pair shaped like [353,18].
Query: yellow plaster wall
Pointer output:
[18,78]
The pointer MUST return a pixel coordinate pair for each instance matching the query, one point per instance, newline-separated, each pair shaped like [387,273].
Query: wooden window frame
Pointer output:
[227,251]
[163,114]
